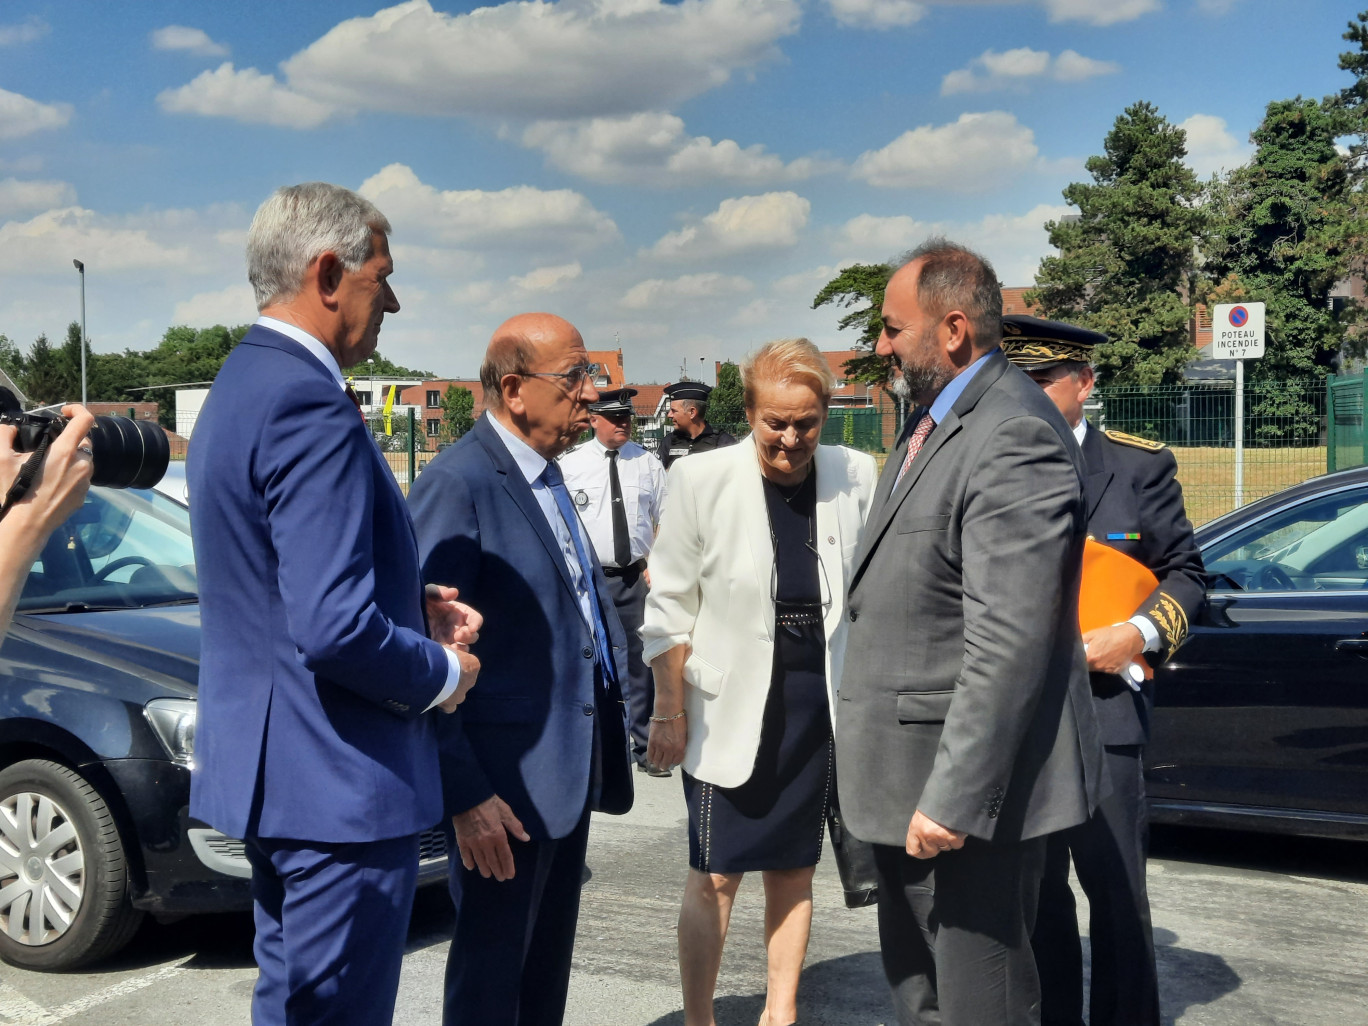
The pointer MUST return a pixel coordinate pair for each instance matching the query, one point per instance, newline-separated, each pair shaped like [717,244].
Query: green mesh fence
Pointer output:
[1347,443]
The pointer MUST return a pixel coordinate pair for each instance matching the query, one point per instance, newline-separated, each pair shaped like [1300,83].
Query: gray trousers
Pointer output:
[954,933]
[628,593]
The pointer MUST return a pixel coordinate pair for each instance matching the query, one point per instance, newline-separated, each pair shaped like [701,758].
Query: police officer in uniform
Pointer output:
[692,433]
[1135,504]
[619,489]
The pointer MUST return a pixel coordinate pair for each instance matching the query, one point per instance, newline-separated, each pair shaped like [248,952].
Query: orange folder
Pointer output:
[1113,587]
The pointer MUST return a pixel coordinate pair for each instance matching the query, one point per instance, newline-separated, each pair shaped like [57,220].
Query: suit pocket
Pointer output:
[924,706]
[911,525]
[703,675]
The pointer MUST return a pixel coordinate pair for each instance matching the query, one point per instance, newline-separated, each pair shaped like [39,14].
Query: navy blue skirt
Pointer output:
[777,818]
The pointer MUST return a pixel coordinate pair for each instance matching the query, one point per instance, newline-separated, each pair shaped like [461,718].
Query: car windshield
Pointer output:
[1318,544]
[123,549]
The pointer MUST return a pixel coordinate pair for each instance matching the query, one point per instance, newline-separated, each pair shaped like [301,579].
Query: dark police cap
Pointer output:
[695,390]
[617,400]
[1034,344]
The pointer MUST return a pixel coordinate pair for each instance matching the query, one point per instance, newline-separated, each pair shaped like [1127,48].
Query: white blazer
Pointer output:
[711,572]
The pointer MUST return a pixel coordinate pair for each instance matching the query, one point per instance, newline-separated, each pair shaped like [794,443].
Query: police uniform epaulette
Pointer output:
[1135,441]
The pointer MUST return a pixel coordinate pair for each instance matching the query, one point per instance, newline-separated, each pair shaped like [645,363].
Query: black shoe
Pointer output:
[652,770]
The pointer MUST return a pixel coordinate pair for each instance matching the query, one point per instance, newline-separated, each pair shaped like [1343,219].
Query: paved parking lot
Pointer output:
[1251,931]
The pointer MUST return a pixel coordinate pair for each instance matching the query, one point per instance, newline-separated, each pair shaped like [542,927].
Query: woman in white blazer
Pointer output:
[745,630]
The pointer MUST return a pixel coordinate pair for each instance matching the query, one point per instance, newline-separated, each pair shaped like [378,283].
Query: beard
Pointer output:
[919,384]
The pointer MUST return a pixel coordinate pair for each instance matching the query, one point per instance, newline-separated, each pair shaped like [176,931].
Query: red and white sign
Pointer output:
[1237,331]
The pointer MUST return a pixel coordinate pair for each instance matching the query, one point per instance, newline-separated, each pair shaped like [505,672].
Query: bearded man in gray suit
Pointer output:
[964,727]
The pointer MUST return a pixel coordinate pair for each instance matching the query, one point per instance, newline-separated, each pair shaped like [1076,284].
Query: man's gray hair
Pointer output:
[297,225]
[953,277]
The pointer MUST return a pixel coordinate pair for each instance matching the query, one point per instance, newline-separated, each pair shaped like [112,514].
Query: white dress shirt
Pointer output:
[642,477]
[532,465]
[324,355]
[1142,623]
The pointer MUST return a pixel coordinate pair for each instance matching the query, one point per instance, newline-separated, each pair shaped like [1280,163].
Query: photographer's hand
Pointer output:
[57,492]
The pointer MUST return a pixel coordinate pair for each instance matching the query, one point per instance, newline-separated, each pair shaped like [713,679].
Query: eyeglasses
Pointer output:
[574,378]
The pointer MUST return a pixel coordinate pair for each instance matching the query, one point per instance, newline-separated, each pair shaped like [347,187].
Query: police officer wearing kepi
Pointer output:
[692,433]
[619,489]
[1135,505]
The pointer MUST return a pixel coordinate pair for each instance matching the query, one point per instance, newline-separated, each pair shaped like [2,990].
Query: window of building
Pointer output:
[434,399]
[434,427]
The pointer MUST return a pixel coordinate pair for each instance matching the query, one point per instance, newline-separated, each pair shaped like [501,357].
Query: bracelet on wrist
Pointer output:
[666,719]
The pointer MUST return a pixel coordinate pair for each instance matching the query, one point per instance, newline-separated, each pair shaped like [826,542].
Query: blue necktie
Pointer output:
[554,481]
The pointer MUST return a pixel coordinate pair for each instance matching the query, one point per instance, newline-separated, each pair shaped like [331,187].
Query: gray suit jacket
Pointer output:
[965,692]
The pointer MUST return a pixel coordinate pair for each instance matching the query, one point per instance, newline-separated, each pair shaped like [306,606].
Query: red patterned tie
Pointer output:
[356,401]
[915,443]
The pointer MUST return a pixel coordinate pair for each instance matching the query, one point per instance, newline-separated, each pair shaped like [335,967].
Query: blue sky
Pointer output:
[683,176]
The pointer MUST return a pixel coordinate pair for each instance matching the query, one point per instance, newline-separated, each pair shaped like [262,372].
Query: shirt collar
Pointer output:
[317,349]
[1081,430]
[530,462]
[941,406]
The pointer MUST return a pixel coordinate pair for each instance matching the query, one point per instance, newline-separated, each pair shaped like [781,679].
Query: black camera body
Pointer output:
[126,453]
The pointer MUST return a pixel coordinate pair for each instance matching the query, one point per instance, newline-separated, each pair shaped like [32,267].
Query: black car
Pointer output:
[97,732]
[1261,719]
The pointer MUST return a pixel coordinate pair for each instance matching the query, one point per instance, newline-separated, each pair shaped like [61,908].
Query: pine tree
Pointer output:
[855,285]
[1126,261]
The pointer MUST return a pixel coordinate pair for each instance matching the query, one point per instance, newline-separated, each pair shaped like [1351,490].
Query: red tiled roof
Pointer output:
[1013,302]
[610,362]
[646,403]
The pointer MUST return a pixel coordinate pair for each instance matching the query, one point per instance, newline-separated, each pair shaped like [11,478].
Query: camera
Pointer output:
[126,453]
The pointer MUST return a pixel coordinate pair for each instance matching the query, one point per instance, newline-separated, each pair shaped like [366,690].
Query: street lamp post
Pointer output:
[80,267]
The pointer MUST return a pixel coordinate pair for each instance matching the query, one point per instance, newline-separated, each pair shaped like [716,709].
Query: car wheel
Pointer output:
[63,876]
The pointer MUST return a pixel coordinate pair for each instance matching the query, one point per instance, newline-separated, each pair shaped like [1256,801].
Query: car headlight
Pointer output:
[173,721]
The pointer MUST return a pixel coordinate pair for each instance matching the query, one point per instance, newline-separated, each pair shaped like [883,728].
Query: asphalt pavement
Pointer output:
[1250,931]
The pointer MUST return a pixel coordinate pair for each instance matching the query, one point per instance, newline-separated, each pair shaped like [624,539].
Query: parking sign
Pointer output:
[1237,331]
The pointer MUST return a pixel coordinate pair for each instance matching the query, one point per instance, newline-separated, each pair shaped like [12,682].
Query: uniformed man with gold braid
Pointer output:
[1135,505]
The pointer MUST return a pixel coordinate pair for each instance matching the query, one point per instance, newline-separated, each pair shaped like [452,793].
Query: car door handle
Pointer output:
[1352,646]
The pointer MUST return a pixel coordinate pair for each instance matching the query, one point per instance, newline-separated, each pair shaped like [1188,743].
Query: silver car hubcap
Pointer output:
[42,869]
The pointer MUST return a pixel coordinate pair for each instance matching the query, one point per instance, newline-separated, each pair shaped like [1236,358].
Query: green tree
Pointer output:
[458,411]
[860,286]
[11,360]
[1350,104]
[1283,233]
[727,402]
[44,379]
[382,367]
[1126,261]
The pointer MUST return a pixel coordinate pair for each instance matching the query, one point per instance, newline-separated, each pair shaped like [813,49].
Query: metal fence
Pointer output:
[1346,441]
[1285,428]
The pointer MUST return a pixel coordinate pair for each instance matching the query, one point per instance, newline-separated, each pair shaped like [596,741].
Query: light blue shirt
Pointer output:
[324,355]
[941,406]
[532,465]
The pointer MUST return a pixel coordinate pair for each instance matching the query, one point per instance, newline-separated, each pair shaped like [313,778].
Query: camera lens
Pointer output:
[128,453]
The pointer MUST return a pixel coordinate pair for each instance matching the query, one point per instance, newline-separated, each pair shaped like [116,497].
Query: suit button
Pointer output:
[588,709]
[587,652]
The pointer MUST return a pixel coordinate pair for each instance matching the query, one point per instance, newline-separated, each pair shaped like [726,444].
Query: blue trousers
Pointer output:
[331,921]
[509,963]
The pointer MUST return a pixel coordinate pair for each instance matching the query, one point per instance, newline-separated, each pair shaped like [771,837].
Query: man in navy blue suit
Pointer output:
[543,741]
[314,743]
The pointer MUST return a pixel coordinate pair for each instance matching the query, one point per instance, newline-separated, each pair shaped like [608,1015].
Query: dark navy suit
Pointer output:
[545,729]
[1135,504]
[315,670]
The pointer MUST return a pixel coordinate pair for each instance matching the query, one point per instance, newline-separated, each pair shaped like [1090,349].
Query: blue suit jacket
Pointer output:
[527,730]
[315,667]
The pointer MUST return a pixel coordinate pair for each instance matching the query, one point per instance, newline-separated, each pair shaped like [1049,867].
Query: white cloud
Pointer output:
[548,279]
[653,148]
[510,218]
[1015,68]
[247,96]
[974,154]
[1100,12]
[1012,243]
[188,40]
[23,197]
[655,293]
[739,225]
[534,59]
[232,305]
[49,241]
[27,31]
[1216,7]
[876,13]
[20,116]
[1211,147]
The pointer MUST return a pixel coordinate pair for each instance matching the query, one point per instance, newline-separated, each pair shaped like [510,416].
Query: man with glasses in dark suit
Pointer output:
[522,769]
